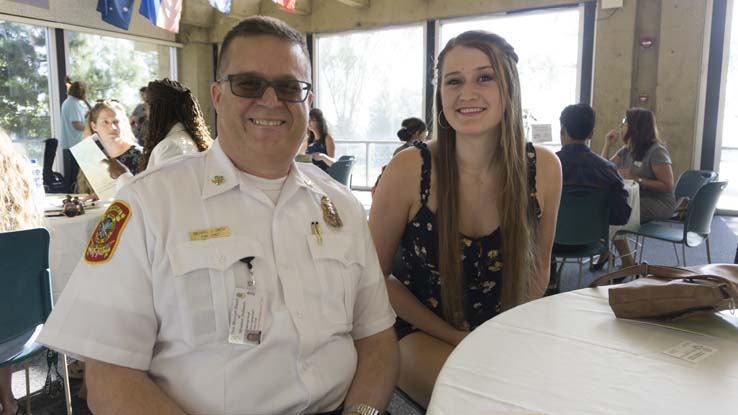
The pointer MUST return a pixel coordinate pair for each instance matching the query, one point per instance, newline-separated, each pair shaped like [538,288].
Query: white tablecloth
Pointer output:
[68,241]
[568,354]
[634,201]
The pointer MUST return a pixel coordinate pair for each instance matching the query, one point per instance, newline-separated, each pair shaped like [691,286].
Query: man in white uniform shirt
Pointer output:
[233,280]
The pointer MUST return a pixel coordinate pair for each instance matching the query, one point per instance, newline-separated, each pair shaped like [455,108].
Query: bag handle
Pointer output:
[663,272]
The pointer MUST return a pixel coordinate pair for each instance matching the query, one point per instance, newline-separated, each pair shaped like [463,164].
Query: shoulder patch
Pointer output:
[107,233]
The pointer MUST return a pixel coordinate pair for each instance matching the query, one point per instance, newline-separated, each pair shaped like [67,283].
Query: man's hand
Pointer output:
[115,168]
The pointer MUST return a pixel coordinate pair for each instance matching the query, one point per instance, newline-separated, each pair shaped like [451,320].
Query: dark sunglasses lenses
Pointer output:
[253,87]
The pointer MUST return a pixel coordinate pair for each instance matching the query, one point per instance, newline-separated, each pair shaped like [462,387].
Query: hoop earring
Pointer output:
[441,116]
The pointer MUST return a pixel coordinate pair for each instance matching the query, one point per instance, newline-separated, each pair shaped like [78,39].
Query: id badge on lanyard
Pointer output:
[247,314]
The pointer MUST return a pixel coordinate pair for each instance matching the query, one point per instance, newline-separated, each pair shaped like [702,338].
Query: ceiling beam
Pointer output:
[361,4]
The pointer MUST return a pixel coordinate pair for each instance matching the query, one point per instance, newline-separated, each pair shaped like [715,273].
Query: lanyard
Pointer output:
[251,283]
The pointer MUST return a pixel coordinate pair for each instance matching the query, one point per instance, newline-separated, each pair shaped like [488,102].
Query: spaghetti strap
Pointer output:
[425,172]
[530,151]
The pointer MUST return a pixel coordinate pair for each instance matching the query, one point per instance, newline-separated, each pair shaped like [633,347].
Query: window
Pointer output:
[24,86]
[548,59]
[366,84]
[115,68]
[728,155]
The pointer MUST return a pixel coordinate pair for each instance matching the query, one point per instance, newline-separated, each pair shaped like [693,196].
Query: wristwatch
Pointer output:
[360,408]
[639,180]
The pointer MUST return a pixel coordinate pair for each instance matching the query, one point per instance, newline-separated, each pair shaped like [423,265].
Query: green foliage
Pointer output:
[24,98]
[112,68]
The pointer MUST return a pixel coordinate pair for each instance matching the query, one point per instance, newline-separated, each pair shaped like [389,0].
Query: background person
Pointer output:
[474,210]
[139,118]
[580,166]
[73,111]
[175,126]
[413,129]
[19,211]
[319,143]
[271,235]
[645,160]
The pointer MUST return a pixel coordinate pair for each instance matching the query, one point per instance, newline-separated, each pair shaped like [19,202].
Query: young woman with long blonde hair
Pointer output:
[474,211]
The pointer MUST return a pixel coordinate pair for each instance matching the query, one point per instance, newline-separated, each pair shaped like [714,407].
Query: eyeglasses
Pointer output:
[249,86]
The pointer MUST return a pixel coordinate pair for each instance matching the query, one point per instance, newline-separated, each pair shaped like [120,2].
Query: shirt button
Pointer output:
[221,258]
[299,314]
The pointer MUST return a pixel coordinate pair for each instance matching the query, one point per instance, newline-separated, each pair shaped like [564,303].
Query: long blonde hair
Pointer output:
[19,210]
[516,214]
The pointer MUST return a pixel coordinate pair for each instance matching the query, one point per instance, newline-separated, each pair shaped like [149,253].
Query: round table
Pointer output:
[69,238]
[568,354]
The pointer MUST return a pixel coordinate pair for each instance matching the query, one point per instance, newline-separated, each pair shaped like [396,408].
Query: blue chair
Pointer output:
[696,226]
[690,182]
[346,158]
[341,171]
[25,298]
[582,227]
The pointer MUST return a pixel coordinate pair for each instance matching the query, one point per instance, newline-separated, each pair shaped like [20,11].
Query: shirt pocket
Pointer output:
[200,269]
[339,261]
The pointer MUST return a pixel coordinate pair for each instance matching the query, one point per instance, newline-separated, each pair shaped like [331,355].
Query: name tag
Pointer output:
[637,163]
[210,233]
[247,317]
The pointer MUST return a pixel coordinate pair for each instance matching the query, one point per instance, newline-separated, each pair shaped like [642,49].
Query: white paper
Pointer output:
[541,133]
[89,157]
[690,351]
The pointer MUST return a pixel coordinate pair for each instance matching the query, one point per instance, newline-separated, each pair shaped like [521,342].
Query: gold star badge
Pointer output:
[330,214]
[218,180]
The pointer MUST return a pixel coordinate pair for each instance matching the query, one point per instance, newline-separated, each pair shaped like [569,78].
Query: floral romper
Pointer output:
[482,259]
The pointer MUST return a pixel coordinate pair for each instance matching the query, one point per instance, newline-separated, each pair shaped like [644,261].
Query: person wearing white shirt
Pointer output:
[235,280]
[175,127]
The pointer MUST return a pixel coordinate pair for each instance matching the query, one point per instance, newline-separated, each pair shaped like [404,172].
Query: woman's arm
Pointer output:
[664,181]
[330,146]
[396,197]
[610,139]
[548,186]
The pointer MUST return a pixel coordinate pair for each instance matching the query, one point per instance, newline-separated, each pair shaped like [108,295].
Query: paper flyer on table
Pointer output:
[89,157]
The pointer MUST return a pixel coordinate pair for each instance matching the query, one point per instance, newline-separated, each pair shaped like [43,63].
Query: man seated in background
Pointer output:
[234,280]
[582,167]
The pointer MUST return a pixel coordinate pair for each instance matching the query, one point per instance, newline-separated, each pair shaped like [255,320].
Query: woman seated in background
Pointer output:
[175,127]
[646,161]
[107,124]
[473,211]
[319,142]
[413,129]
[19,211]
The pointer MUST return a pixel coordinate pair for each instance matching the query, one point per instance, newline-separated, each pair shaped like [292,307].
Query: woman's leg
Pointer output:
[10,406]
[626,257]
[421,359]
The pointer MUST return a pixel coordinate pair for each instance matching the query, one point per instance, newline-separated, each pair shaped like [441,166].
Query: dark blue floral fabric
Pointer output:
[482,259]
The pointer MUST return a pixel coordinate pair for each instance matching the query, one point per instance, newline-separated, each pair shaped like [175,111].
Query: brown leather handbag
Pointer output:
[672,292]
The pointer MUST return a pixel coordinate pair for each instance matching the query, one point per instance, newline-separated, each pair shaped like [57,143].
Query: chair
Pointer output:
[582,227]
[53,181]
[691,180]
[25,298]
[341,171]
[342,158]
[696,226]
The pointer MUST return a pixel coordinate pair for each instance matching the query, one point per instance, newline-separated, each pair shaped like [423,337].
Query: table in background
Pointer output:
[568,354]
[634,201]
[68,241]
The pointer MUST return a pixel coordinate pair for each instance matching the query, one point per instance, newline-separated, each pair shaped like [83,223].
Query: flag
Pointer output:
[163,13]
[116,12]
[223,6]
[286,4]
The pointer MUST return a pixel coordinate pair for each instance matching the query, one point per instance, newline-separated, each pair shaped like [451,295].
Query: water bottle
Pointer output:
[39,194]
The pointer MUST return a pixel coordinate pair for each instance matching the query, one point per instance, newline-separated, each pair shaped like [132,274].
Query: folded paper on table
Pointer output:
[89,157]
